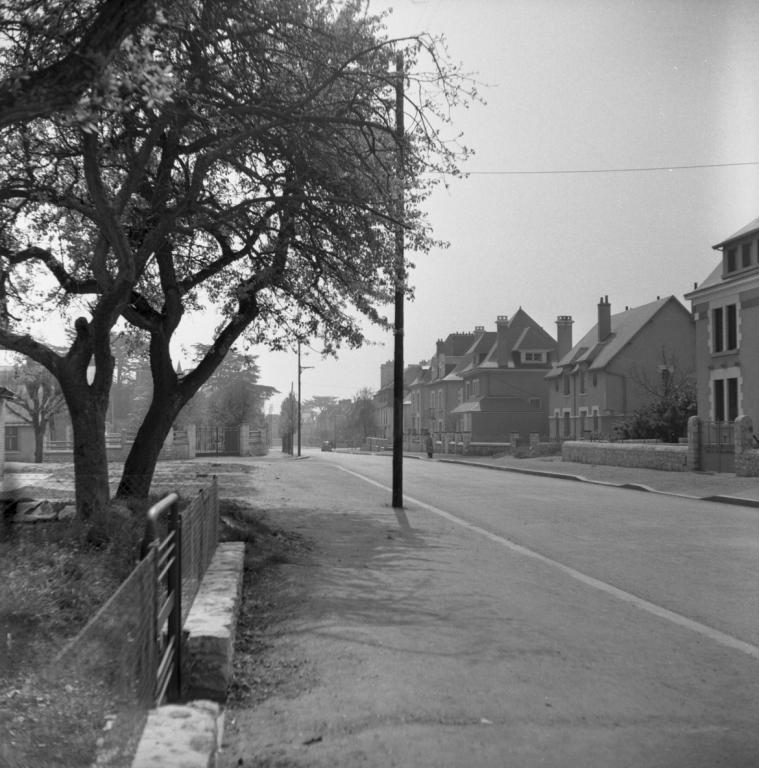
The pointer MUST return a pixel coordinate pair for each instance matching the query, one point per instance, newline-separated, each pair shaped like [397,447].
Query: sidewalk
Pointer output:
[702,485]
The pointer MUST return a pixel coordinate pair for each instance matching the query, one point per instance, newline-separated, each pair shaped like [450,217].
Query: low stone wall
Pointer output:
[669,457]
[211,624]
[747,463]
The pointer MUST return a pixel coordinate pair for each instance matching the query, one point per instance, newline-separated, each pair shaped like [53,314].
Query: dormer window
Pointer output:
[533,357]
[730,259]
[746,255]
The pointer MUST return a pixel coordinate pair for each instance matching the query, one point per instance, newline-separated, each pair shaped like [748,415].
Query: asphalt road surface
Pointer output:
[501,619]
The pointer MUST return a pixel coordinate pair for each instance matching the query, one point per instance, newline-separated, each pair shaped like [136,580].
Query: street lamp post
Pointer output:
[400,278]
[301,368]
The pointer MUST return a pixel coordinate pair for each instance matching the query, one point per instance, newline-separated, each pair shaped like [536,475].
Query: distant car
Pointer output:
[326,445]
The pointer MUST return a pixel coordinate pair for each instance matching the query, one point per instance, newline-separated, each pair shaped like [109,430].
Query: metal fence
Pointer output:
[119,650]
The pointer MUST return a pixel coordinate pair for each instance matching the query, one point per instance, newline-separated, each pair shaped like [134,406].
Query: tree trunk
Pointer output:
[90,458]
[39,439]
[140,464]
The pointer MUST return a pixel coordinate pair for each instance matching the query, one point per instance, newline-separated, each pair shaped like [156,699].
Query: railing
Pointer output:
[167,603]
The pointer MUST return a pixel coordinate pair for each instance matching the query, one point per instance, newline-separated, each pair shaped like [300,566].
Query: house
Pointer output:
[725,307]
[600,382]
[502,387]
[383,398]
[444,386]
[5,394]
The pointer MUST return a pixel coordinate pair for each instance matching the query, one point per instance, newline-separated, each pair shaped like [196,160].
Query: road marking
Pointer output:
[644,605]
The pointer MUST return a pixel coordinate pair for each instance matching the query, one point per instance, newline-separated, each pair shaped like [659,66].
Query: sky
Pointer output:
[559,206]
[555,212]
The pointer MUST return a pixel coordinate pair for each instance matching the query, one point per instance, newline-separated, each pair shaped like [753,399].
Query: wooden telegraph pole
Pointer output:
[400,279]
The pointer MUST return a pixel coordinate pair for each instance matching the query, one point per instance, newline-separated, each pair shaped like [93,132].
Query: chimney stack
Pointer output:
[564,335]
[604,319]
[387,373]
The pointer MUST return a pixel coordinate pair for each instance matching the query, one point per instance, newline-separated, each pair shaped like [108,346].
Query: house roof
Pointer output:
[624,327]
[749,229]
[713,278]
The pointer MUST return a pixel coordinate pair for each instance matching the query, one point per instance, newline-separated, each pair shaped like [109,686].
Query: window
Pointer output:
[476,387]
[533,357]
[583,388]
[725,399]
[746,255]
[595,422]
[731,320]
[567,424]
[730,260]
[717,330]
[725,328]
[535,402]
[11,438]
[566,383]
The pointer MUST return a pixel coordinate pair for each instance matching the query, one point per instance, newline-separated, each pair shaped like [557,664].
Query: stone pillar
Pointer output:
[694,444]
[244,439]
[743,435]
[514,439]
[191,438]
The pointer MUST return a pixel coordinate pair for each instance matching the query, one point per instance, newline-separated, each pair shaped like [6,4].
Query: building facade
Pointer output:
[725,308]
[600,382]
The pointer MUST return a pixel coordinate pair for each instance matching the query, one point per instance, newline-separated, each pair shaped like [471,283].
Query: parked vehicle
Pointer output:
[326,445]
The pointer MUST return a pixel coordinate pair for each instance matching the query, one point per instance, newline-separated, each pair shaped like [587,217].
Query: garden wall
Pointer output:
[669,457]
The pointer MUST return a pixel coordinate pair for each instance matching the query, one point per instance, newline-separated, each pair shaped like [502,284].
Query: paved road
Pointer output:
[510,620]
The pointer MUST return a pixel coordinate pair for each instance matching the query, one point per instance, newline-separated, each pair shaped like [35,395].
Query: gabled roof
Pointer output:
[624,327]
[481,346]
[749,229]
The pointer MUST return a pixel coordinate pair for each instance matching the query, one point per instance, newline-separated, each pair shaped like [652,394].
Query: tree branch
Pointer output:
[60,84]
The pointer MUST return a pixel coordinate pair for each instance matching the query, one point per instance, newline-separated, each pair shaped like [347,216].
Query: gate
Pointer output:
[718,446]
[217,441]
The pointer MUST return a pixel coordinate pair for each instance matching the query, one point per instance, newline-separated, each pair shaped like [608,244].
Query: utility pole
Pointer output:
[301,368]
[400,280]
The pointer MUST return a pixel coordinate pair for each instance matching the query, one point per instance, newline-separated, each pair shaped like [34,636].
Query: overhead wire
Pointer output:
[641,169]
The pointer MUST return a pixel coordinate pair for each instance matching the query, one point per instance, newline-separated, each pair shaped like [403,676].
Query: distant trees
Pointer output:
[363,415]
[232,395]
[350,421]
[288,422]
[38,400]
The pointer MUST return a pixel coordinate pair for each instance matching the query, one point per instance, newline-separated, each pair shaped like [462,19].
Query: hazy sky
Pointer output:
[575,85]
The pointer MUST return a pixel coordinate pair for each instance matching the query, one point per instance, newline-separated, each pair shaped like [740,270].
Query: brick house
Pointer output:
[725,307]
[502,385]
[597,384]
[442,386]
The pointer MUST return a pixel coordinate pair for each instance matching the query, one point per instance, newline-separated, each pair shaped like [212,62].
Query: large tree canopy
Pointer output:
[54,52]
[260,176]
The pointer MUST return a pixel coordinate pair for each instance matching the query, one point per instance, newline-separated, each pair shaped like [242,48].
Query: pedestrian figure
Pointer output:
[428,443]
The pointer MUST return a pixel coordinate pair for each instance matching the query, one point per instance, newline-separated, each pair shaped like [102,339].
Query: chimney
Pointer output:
[604,319]
[503,351]
[440,344]
[387,372]
[563,334]
[479,329]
